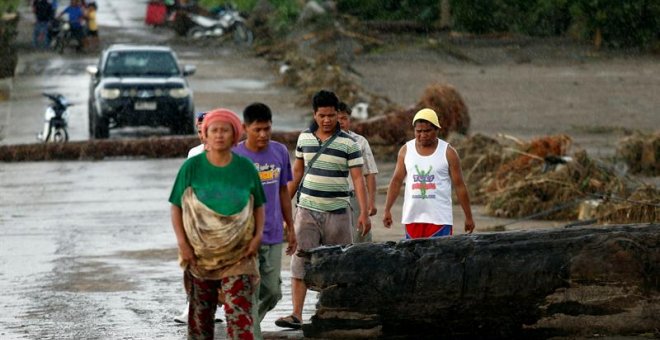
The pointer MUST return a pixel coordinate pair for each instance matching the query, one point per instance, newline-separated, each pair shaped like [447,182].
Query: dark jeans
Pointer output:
[40,38]
[77,33]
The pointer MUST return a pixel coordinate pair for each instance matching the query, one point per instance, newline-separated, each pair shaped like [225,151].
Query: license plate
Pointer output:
[145,105]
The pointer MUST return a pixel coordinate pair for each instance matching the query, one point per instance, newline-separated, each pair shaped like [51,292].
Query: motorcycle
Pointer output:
[226,21]
[62,36]
[55,119]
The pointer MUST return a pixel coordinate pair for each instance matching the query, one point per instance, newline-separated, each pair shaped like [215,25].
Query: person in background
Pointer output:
[44,13]
[76,14]
[217,209]
[272,161]
[171,7]
[369,170]
[430,167]
[92,39]
[325,155]
[199,119]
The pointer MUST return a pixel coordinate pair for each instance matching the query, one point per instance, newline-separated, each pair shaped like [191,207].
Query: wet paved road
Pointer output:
[87,252]
[226,77]
[86,249]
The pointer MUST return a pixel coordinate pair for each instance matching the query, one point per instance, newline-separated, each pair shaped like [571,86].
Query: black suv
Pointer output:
[137,86]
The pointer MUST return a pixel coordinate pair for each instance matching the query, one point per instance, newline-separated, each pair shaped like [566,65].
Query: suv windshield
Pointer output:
[140,63]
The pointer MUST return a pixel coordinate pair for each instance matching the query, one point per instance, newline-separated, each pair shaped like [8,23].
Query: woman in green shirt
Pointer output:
[218,218]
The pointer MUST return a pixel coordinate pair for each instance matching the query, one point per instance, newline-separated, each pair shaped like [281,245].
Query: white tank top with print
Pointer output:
[427,196]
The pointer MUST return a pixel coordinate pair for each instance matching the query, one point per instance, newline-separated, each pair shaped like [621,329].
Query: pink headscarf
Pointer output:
[223,115]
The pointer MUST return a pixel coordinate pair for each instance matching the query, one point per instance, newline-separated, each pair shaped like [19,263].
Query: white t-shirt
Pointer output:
[196,150]
[427,196]
[369,165]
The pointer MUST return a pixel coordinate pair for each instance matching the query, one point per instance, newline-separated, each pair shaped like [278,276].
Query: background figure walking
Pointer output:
[430,167]
[369,170]
[92,41]
[44,14]
[272,161]
[199,119]
[218,219]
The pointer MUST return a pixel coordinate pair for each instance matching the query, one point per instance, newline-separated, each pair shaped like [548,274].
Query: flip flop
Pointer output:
[290,321]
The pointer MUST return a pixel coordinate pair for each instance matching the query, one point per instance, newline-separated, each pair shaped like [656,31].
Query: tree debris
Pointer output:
[641,152]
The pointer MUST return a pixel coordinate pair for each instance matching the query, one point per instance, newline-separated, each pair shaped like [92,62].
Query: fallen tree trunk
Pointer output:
[155,147]
[565,281]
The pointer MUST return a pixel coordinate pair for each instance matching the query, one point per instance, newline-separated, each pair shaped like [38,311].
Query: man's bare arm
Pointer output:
[298,170]
[364,223]
[371,193]
[285,204]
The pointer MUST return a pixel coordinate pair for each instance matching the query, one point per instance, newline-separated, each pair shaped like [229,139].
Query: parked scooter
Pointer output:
[226,21]
[55,120]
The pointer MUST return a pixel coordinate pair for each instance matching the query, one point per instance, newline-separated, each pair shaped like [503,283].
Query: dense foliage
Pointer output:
[621,23]
[244,5]
[286,11]
[533,17]
[8,5]
[8,32]
[425,11]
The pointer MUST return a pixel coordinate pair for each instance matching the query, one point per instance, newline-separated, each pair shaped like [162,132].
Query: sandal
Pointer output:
[290,321]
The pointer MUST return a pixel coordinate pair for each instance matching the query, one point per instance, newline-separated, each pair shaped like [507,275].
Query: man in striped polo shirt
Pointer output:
[323,216]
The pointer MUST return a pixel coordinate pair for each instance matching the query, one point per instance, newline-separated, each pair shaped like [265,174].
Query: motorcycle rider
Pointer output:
[76,14]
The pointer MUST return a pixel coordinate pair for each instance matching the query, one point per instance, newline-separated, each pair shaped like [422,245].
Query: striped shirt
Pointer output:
[325,187]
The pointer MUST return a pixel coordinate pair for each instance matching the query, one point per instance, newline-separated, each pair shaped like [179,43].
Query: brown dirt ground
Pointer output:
[527,88]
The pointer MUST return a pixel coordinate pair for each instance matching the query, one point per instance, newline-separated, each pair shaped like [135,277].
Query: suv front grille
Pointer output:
[144,93]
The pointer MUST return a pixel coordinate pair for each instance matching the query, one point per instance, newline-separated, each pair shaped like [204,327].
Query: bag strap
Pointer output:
[311,162]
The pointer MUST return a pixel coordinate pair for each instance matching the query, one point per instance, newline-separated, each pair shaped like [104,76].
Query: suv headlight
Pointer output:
[179,93]
[110,93]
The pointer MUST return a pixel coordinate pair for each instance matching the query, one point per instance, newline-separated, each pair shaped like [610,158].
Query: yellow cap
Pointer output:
[427,115]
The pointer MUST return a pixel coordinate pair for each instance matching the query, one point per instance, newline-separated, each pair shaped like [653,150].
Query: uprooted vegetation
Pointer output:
[511,177]
[319,55]
[518,179]
[641,152]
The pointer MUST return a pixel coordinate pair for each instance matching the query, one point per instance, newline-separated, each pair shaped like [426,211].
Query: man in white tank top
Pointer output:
[430,167]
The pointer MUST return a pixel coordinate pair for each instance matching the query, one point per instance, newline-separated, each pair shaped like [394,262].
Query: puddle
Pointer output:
[167,254]
[80,276]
